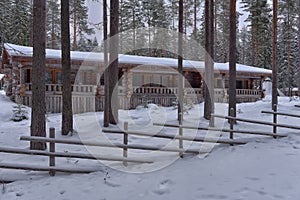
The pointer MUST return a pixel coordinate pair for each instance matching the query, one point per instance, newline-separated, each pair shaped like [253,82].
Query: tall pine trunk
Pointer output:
[113,60]
[38,123]
[289,56]
[67,114]
[106,70]
[180,62]
[75,28]
[209,60]
[232,58]
[298,49]
[274,54]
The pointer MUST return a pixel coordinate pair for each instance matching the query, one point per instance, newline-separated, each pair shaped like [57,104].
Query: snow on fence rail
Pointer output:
[233,119]
[178,137]
[53,154]
[275,114]
[217,129]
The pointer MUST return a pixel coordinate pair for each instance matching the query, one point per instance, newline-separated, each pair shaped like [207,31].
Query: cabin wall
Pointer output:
[137,85]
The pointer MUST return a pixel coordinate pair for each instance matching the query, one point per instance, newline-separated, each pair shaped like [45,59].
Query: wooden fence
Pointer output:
[274,124]
[125,146]
[52,154]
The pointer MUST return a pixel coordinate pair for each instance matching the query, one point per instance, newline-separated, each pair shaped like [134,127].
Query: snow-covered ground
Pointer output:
[262,169]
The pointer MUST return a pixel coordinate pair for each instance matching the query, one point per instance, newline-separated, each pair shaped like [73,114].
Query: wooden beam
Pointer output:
[177,137]
[259,122]
[221,130]
[72,155]
[281,113]
[115,145]
[46,168]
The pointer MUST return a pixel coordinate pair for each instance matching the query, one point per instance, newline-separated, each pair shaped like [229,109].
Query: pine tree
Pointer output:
[113,60]
[155,15]
[19,15]
[4,23]
[260,27]
[53,24]
[38,124]
[78,19]
[131,36]
[287,54]
[67,114]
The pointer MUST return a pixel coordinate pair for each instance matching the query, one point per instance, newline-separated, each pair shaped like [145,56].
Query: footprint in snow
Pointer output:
[163,187]
[112,184]
[253,178]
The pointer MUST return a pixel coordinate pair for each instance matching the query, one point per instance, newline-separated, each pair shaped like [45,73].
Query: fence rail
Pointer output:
[219,130]
[53,154]
[258,122]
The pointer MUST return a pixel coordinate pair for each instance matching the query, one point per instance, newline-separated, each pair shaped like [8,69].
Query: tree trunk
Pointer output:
[274,55]
[134,32]
[195,21]
[232,58]
[106,70]
[252,43]
[298,49]
[113,60]
[209,59]
[75,29]
[67,114]
[38,123]
[52,32]
[180,63]
[289,56]
[215,31]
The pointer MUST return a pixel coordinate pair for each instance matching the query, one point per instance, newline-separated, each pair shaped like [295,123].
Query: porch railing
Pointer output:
[57,88]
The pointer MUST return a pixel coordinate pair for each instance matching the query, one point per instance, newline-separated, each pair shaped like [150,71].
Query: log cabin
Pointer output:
[141,80]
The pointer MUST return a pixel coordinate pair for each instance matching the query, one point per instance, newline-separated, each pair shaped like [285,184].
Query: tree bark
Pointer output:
[232,58]
[209,60]
[38,122]
[106,70]
[75,28]
[298,48]
[113,60]
[67,114]
[274,55]
[180,63]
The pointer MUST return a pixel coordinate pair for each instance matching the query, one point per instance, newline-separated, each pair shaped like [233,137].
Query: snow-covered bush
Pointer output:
[20,113]
[186,106]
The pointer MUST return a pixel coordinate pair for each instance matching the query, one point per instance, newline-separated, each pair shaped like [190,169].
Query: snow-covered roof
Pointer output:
[24,51]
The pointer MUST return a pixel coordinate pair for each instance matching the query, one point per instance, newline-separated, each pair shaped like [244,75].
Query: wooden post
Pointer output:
[275,120]
[180,141]
[52,150]
[231,123]
[212,120]
[125,141]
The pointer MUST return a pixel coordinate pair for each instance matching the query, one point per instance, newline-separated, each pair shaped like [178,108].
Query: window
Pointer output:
[58,78]
[138,80]
[48,77]
[28,76]
[219,83]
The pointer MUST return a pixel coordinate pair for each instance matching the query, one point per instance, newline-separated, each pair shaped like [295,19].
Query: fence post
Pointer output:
[275,120]
[212,120]
[52,150]
[180,141]
[180,135]
[125,141]
[231,123]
